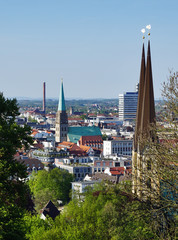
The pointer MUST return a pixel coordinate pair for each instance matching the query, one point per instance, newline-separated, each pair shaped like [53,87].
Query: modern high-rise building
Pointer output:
[61,118]
[128,105]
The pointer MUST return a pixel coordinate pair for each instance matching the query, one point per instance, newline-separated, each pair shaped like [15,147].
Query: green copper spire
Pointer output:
[61,106]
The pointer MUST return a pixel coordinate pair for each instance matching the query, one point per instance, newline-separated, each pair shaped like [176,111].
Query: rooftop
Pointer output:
[75,133]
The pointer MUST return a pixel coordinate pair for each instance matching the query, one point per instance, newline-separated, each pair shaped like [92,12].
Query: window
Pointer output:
[117,164]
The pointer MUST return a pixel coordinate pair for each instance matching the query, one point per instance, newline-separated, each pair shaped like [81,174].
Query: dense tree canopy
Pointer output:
[13,193]
[106,213]
[53,185]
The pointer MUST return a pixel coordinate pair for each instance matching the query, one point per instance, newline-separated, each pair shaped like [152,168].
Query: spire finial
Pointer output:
[148,27]
[143,31]
[61,79]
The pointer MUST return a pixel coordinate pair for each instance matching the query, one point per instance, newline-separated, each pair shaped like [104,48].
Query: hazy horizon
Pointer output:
[94,45]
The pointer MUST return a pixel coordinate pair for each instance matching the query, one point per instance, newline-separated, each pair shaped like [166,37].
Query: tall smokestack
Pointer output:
[44,97]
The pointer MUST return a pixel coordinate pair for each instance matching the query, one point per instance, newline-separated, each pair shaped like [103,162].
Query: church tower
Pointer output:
[61,118]
[138,124]
[144,121]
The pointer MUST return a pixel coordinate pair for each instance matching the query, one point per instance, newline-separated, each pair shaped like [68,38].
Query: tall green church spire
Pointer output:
[61,118]
[61,105]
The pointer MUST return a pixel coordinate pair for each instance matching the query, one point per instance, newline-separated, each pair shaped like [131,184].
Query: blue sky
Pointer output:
[95,45]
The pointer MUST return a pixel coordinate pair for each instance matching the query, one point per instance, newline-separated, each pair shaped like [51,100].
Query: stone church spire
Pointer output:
[140,99]
[135,160]
[61,118]
[148,109]
[145,118]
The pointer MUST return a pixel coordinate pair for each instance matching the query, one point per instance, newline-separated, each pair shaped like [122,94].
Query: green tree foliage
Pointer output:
[53,185]
[83,117]
[30,119]
[105,214]
[104,137]
[13,192]
[37,228]
[170,95]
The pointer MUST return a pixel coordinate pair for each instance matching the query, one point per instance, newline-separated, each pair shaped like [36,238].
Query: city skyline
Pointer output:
[94,45]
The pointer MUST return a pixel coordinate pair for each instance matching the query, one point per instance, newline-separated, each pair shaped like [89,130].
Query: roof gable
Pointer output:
[50,210]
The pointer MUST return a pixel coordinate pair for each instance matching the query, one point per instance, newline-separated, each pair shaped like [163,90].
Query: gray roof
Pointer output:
[51,210]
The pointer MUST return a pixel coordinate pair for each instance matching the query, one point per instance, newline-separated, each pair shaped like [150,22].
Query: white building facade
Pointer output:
[81,187]
[128,106]
[117,147]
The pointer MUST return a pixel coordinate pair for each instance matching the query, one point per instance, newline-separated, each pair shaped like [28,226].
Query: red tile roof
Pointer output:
[90,139]
[77,150]
[129,171]
[117,170]
[65,144]
[85,148]
[116,173]
[73,148]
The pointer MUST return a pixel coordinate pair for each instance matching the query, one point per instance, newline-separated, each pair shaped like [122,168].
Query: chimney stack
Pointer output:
[44,97]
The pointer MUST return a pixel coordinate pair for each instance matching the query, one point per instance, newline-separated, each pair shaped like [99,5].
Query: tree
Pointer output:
[13,192]
[30,119]
[170,95]
[37,228]
[106,213]
[159,174]
[83,117]
[53,185]
[104,136]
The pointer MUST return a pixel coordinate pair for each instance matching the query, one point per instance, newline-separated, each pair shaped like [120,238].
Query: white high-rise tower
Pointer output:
[128,105]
